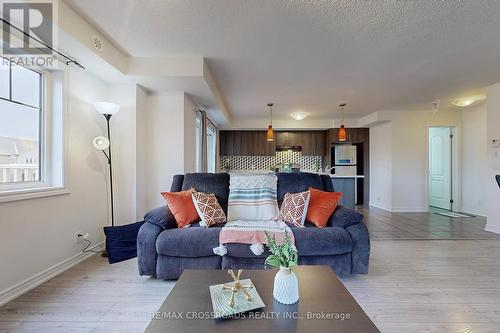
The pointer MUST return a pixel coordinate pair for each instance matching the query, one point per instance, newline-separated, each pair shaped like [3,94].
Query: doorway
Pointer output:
[442,168]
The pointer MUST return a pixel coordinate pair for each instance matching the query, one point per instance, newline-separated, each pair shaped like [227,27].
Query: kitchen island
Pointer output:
[349,186]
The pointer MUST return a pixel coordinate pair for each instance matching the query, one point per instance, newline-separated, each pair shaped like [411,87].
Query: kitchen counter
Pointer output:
[348,185]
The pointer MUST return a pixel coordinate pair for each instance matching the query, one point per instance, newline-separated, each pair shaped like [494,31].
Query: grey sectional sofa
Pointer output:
[164,251]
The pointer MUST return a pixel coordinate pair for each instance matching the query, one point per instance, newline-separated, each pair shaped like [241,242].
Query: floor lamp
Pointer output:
[104,144]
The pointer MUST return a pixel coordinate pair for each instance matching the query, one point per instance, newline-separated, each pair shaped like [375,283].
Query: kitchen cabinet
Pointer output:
[254,143]
[360,137]
[245,143]
[312,142]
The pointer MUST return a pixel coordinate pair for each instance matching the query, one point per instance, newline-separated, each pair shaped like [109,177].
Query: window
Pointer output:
[206,143]
[20,123]
[198,142]
[32,143]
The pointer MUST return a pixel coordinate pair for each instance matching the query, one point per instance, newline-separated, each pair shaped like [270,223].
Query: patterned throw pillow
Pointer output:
[208,208]
[294,208]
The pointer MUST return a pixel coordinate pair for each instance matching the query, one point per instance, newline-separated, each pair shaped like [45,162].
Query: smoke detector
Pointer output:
[98,43]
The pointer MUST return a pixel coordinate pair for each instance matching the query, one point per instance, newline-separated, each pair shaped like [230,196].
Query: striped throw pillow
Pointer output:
[252,197]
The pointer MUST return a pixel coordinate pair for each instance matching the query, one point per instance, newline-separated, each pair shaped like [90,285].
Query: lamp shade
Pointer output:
[342,134]
[270,133]
[100,143]
[107,108]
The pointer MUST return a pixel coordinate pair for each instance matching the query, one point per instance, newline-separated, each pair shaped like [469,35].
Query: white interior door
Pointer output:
[440,167]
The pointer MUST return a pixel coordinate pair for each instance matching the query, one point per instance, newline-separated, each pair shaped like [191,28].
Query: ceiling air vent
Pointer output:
[98,43]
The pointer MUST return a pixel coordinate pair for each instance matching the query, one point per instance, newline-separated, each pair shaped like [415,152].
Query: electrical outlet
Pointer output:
[79,236]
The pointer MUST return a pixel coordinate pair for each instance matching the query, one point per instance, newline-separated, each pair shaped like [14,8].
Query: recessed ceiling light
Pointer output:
[299,115]
[463,102]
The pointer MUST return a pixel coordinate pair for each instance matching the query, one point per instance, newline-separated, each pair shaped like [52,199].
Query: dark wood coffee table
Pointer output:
[325,305]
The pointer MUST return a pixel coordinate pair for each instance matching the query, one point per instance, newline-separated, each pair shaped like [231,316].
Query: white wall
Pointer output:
[189,135]
[474,160]
[408,146]
[39,233]
[381,166]
[493,155]
[172,142]
[142,152]
[130,152]
[123,141]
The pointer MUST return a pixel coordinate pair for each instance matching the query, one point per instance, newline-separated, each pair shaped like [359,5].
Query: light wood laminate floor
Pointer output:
[413,286]
[425,225]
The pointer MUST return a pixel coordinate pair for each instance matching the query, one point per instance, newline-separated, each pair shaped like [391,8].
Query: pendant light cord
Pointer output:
[271,114]
[342,113]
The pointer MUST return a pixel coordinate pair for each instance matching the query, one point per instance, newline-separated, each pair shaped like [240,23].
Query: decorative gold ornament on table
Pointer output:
[237,287]
[234,297]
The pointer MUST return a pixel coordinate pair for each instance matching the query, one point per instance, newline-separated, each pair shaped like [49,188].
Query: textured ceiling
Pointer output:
[313,55]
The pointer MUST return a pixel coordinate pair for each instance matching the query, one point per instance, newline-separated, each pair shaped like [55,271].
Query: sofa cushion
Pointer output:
[190,242]
[216,183]
[327,183]
[297,182]
[177,183]
[344,217]
[162,217]
[311,241]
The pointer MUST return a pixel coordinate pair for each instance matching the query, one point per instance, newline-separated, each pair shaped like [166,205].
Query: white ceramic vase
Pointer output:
[286,287]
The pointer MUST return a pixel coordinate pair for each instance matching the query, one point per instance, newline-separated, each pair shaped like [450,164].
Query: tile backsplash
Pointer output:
[264,163]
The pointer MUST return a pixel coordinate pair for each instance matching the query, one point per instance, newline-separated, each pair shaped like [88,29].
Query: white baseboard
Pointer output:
[473,211]
[37,279]
[492,228]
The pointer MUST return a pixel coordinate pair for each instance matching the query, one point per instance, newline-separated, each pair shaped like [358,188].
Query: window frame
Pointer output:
[51,182]
[211,126]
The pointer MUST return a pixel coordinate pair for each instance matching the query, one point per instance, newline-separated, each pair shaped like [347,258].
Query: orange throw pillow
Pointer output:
[182,207]
[321,206]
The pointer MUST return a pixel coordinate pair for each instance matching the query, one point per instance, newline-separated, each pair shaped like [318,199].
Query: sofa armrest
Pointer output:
[146,248]
[344,217]
[360,254]
[161,217]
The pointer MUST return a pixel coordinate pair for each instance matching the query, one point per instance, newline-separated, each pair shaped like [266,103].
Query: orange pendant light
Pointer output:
[342,130]
[342,134]
[270,133]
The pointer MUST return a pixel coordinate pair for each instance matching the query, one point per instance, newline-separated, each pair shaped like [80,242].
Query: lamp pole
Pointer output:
[108,117]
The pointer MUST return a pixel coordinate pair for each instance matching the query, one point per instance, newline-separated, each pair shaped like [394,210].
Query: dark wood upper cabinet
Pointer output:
[312,142]
[254,143]
[245,143]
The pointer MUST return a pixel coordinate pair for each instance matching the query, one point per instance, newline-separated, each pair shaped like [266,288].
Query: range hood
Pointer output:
[289,148]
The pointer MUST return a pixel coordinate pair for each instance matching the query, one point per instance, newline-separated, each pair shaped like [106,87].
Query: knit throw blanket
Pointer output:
[252,233]
[252,198]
